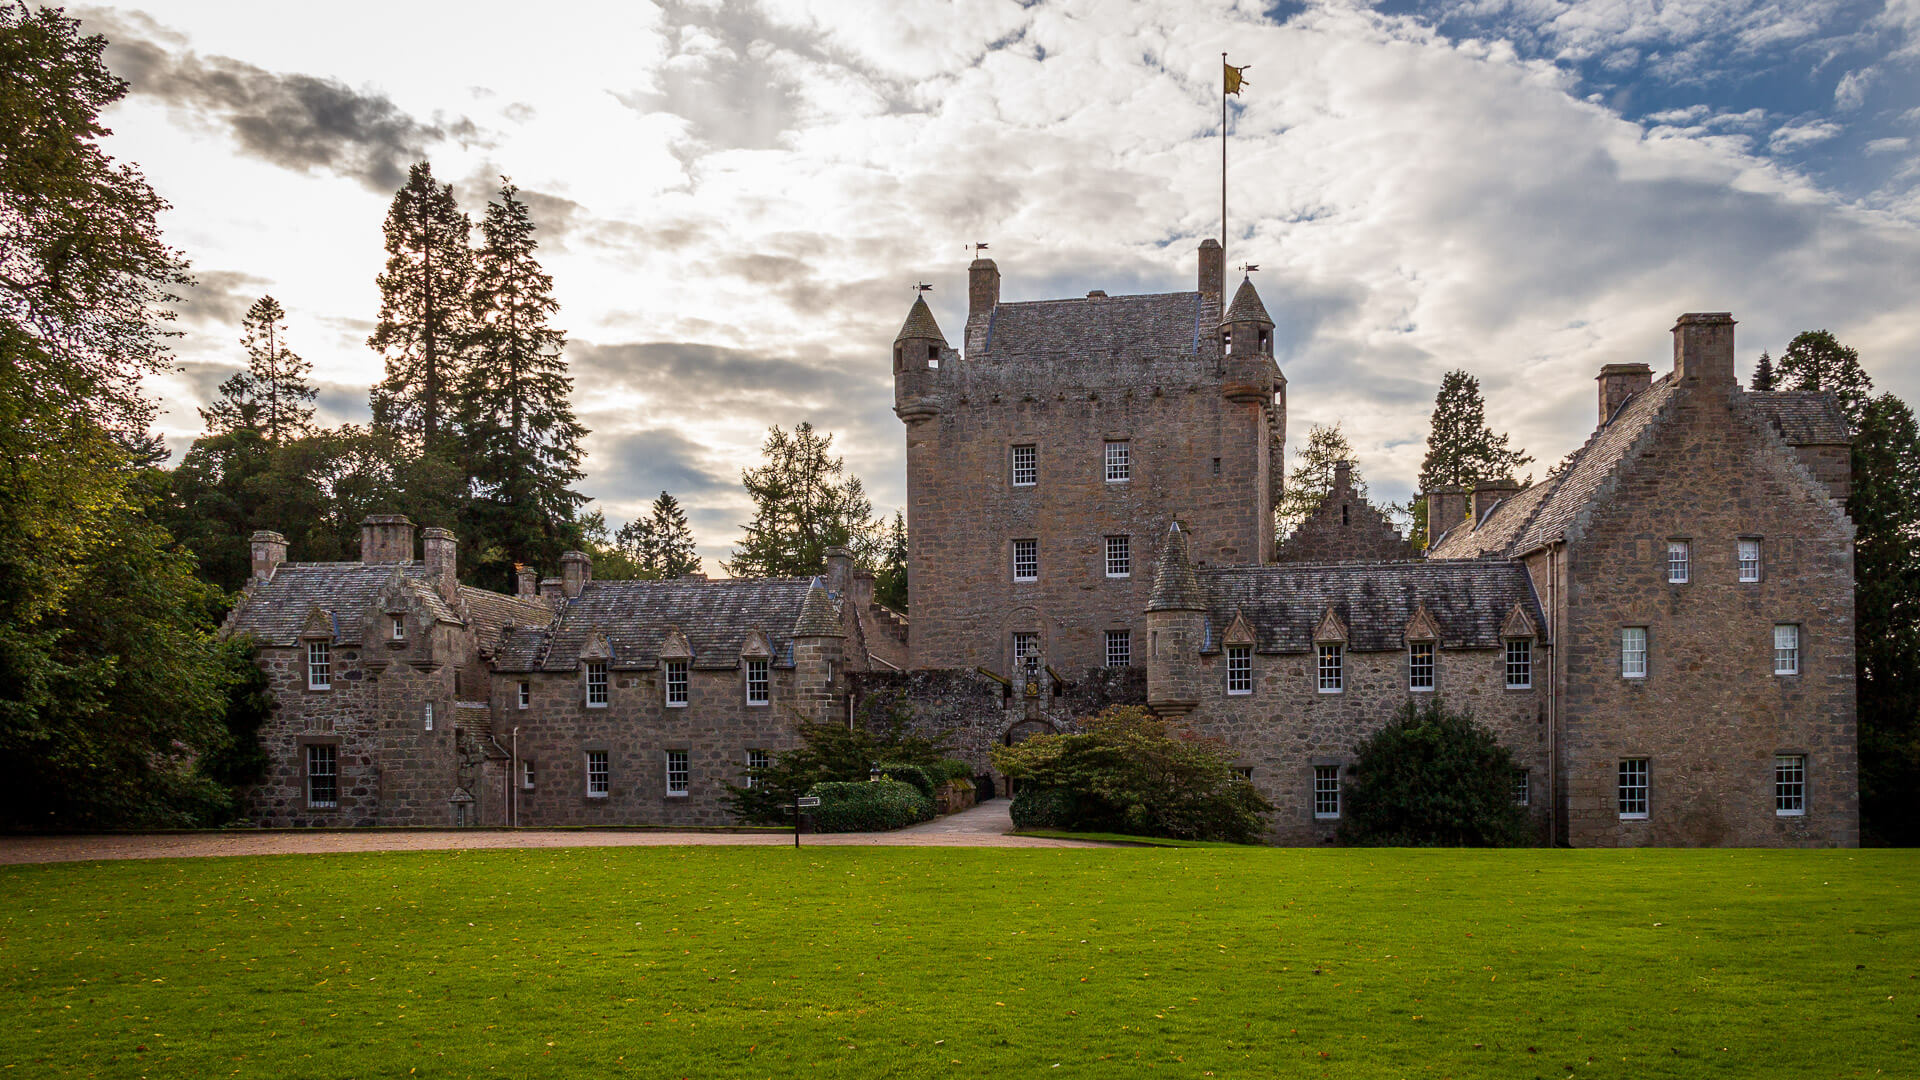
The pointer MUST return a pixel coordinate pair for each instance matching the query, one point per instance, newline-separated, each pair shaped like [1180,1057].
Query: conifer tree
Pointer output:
[1815,360]
[1763,377]
[1461,448]
[804,503]
[272,396]
[1885,505]
[660,544]
[518,437]
[423,308]
[890,577]
[1312,476]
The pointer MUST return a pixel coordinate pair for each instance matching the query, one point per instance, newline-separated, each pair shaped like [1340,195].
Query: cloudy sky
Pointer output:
[737,196]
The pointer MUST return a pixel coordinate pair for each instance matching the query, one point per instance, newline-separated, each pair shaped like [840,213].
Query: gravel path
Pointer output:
[985,825]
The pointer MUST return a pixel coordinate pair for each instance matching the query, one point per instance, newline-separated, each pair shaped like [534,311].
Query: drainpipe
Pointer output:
[513,780]
[1553,695]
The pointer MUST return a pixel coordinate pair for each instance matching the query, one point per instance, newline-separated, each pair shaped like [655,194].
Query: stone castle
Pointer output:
[1661,631]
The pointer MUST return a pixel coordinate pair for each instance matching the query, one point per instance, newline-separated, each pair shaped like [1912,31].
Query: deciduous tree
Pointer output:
[1432,778]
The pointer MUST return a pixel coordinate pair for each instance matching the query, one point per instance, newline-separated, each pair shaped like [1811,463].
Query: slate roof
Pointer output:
[274,611]
[818,617]
[1803,417]
[1120,327]
[717,618]
[1246,306]
[490,613]
[920,323]
[1175,588]
[1469,599]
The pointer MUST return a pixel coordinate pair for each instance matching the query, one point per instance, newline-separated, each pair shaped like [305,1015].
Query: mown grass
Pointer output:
[702,962]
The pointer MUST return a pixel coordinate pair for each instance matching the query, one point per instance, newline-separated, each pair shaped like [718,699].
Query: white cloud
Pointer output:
[1851,92]
[1790,137]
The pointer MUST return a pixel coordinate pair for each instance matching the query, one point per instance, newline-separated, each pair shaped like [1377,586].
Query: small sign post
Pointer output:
[804,802]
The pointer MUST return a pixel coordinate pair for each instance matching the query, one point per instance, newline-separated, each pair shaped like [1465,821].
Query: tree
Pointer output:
[1461,448]
[518,436]
[423,308]
[1885,507]
[804,503]
[1815,360]
[1312,476]
[890,577]
[660,544]
[835,752]
[1763,376]
[272,396]
[1432,778]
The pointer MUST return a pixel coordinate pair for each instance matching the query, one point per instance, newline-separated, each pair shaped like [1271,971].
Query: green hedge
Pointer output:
[949,769]
[1042,808]
[910,774]
[868,807]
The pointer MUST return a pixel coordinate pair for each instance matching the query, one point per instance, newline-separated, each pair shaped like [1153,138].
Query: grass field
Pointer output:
[1190,962]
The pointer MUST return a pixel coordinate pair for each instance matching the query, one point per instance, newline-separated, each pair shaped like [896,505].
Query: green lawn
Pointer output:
[703,962]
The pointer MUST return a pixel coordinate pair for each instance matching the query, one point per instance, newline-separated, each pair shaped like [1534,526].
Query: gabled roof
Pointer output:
[275,610]
[490,613]
[1116,327]
[1469,601]
[1803,417]
[716,617]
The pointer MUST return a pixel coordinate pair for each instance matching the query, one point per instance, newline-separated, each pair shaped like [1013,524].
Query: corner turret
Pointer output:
[819,655]
[1246,347]
[1176,630]
[917,352]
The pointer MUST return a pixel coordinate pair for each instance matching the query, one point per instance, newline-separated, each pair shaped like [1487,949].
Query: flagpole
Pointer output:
[1223,161]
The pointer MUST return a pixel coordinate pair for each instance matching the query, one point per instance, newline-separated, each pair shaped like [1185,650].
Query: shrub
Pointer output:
[1131,772]
[1042,808]
[910,774]
[868,806]
[833,752]
[947,770]
[1432,778]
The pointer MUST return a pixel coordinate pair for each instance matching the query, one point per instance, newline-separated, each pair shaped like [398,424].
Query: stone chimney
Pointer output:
[269,551]
[576,569]
[1703,349]
[386,538]
[1618,382]
[839,570]
[526,581]
[1213,269]
[1446,508]
[983,288]
[1488,492]
[1342,476]
[552,589]
[442,553]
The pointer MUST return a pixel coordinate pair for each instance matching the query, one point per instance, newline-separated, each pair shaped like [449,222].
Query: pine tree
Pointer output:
[1885,505]
[272,395]
[518,437]
[804,503]
[1312,476]
[660,544]
[1815,360]
[1461,448]
[890,577]
[1763,377]
[423,308]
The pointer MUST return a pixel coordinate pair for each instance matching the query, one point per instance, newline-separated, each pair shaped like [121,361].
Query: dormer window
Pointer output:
[319,665]
[596,684]
[676,683]
[757,681]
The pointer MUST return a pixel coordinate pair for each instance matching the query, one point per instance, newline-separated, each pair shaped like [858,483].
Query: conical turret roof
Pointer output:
[817,617]
[1175,586]
[920,323]
[1246,306]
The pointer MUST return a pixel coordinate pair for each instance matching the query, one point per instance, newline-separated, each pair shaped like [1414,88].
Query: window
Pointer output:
[526,695]
[1633,652]
[676,683]
[1326,792]
[1790,785]
[1024,641]
[1119,648]
[1119,556]
[1786,650]
[319,665]
[1749,560]
[1026,465]
[676,772]
[427,715]
[756,763]
[1520,664]
[1216,466]
[597,684]
[1026,560]
[1332,668]
[757,681]
[1633,789]
[1522,787]
[323,782]
[1119,461]
[399,628]
[596,774]
[1420,665]
[526,775]
[1239,669]
[1679,558]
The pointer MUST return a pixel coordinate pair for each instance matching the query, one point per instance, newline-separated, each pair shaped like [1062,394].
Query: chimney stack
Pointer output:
[1618,382]
[442,553]
[1213,270]
[1342,476]
[576,569]
[1446,508]
[269,551]
[552,589]
[1488,492]
[386,538]
[1703,349]
[839,570]
[983,288]
[527,581]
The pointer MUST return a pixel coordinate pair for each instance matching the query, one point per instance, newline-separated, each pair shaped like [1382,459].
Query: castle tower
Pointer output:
[819,654]
[1253,382]
[917,351]
[1176,630]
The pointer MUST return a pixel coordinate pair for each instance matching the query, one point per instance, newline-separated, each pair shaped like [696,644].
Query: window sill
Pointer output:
[676,794]
[322,808]
[1633,817]
[1519,686]
[1786,674]
[596,704]
[1790,813]
[596,794]
[1119,577]
[1419,689]
[1239,693]
[758,704]
[1634,678]
[1025,580]
[1326,817]
[1335,690]
[677,704]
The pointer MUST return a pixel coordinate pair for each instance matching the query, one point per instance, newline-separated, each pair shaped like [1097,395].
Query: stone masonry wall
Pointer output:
[974,713]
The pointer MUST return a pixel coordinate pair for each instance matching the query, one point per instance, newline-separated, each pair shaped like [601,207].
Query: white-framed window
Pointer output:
[1519,663]
[1679,561]
[676,683]
[1026,465]
[1790,785]
[1749,554]
[319,665]
[1026,560]
[1239,669]
[526,774]
[323,778]
[757,762]
[1326,792]
[596,684]
[1786,649]
[525,699]
[1333,668]
[1633,652]
[1419,665]
[1119,648]
[1522,787]
[757,683]
[1632,793]
[676,772]
[399,628]
[426,715]
[1024,641]
[1119,556]
[1119,460]
[597,774]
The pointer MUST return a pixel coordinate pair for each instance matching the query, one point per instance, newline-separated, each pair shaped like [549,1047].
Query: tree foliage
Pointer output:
[1131,772]
[1312,476]
[1461,449]
[890,576]
[1815,360]
[1764,378]
[660,545]
[1885,507]
[884,734]
[272,396]
[424,317]
[804,502]
[1432,778]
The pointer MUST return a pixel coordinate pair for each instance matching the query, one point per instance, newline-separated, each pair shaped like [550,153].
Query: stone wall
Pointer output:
[1344,528]
[975,713]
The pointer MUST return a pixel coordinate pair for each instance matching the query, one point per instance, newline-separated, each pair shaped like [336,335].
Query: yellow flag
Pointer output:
[1234,80]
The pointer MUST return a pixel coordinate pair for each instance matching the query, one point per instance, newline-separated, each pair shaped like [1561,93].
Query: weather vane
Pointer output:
[923,287]
[1248,268]
[977,247]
